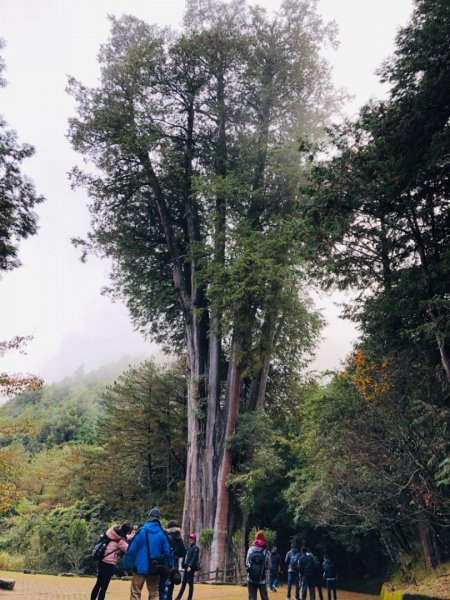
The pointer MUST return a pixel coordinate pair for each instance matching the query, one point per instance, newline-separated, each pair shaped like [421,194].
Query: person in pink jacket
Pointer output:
[120,536]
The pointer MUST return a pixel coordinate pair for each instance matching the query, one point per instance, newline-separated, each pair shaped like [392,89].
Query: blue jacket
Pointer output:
[136,557]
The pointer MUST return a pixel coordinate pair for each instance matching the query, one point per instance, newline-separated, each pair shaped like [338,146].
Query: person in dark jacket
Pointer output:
[178,549]
[330,576]
[275,558]
[149,544]
[307,574]
[318,576]
[292,561]
[190,565]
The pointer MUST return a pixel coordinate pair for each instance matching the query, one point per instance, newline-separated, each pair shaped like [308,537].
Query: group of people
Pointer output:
[303,569]
[153,555]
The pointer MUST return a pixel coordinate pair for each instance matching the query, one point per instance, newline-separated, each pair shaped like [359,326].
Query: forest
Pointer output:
[224,190]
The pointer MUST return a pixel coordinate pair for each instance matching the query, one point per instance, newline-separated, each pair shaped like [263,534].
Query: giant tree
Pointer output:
[194,137]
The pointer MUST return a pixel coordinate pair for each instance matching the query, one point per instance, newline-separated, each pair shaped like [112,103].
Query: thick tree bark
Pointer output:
[231,408]
[429,543]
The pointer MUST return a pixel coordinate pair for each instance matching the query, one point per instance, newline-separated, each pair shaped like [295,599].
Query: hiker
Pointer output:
[330,576]
[317,576]
[275,559]
[307,573]
[148,556]
[178,549]
[292,561]
[119,536]
[257,564]
[191,564]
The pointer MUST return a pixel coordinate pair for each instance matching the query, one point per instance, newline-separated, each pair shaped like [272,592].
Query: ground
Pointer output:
[436,587]
[50,587]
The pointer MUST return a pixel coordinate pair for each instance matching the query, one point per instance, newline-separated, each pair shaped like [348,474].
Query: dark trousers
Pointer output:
[308,583]
[293,579]
[331,587]
[105,572]
[165,588]
[253,590]
[188,579]
[318,585]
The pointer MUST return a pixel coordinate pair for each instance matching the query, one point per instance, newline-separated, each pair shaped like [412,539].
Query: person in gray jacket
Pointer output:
[258,565]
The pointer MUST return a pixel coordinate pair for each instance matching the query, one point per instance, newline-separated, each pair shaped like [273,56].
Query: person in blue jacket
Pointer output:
[148,556]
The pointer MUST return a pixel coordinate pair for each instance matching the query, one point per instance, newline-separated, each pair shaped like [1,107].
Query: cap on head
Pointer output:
[193,536]
[154,514]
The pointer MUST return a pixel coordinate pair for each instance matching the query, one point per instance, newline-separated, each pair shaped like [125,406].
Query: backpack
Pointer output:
[98,551]
[177,545]
[294,563]
[257,566]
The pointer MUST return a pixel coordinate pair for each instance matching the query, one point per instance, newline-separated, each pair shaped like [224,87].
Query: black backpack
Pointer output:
[294,563]
[257,566]
[177,545]
[98,551]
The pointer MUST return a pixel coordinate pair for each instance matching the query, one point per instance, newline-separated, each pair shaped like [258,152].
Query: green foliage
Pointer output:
[254,463]
[379,219]
[54,540]
[206,537]
[50,454]
[10,562]
[368,456]
[378,222]
[142,434]
[78,537]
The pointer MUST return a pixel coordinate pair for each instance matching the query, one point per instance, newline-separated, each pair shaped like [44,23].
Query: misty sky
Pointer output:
[53,296]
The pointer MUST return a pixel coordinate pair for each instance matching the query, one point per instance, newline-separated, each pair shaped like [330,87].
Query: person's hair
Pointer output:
[260,535]
[173,523]
[126,527]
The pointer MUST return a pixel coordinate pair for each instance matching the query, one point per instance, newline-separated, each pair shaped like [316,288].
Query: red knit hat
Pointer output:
[260,535]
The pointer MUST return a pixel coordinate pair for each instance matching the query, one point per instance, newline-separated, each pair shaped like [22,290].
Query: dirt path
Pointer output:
[50,587]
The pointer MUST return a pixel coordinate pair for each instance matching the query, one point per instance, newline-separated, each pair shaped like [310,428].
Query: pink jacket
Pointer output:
[116,547]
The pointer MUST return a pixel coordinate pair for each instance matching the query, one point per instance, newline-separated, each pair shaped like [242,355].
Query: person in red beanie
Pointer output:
[191,564]
[258,564]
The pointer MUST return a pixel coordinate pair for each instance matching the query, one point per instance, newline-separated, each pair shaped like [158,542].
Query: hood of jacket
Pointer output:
[112,534]
[174,530]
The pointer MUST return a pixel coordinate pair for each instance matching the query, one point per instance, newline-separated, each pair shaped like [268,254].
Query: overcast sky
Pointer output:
[53,296]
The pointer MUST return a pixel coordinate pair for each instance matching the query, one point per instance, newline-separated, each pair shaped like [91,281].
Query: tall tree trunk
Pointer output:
[192,517]
[218,549]
[213,419]
[429,543]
